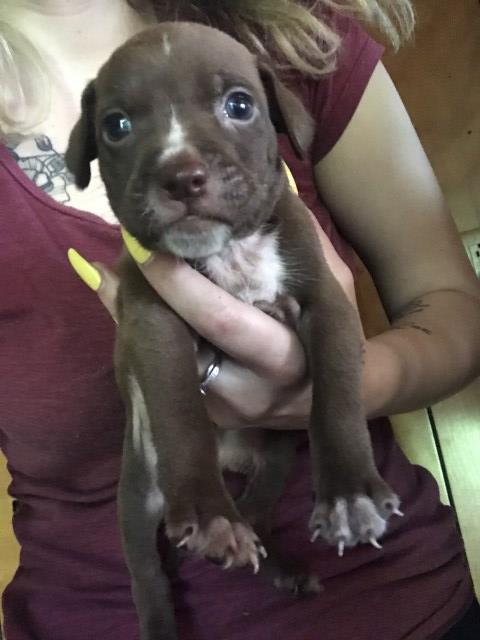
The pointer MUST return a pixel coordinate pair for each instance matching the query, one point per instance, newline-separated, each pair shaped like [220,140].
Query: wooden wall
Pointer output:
[438,76]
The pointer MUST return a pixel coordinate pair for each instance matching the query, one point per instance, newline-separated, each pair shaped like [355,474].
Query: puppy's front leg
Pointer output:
[141,508]
[172,442]
[352,501]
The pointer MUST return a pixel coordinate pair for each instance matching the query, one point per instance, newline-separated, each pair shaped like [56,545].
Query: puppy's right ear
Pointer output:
[82,146]
[287,112]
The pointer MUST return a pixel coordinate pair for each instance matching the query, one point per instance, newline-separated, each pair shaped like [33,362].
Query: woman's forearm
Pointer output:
[431,351]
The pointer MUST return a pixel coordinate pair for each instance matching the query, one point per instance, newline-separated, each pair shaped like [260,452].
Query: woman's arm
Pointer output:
[263,373]
[383,194]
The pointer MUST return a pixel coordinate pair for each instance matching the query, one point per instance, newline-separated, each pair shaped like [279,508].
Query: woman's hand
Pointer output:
[262,379]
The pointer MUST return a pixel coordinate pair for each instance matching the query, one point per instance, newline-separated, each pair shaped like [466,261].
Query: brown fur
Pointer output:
[230,182]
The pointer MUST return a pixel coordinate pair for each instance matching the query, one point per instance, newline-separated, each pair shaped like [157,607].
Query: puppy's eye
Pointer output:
[239,106]
[116,126]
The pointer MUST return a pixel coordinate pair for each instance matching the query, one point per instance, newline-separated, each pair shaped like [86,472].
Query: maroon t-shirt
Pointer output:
[61,426]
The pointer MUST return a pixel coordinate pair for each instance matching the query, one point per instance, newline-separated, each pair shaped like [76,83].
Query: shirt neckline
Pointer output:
[25,183]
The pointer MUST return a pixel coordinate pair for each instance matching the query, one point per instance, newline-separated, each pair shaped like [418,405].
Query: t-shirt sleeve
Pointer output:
[334,99]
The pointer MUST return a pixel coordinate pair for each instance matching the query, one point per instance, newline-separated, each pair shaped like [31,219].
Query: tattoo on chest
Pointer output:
[46,168]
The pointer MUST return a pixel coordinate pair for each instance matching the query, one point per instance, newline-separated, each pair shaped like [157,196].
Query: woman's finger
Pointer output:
[242,331]
[245,333]
[239,398]
[108,289]
[100,279]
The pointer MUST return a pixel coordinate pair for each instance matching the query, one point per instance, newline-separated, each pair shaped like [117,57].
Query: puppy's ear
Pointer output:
[82,147]
[287,112]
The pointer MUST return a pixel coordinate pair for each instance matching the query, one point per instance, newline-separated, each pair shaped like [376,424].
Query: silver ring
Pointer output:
[212,372]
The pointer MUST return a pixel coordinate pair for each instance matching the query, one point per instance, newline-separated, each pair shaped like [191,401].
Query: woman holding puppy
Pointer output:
[61,418]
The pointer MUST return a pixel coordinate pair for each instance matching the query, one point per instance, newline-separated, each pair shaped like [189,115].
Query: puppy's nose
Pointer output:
[184,180]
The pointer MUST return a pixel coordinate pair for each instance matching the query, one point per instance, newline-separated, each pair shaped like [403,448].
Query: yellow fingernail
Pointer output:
[84,270]
[138,253]
[290,178]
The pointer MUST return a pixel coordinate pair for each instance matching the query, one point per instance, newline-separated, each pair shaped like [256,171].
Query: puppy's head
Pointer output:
[184,122]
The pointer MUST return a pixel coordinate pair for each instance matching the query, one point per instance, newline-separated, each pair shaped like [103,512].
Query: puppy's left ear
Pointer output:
[82,146]
[287,112]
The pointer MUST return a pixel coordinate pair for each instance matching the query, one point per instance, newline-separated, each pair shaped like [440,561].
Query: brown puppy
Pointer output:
[184,123]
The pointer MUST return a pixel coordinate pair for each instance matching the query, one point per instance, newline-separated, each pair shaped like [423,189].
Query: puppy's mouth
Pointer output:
[187,230]
[188,222]
[192,224]
[194,237]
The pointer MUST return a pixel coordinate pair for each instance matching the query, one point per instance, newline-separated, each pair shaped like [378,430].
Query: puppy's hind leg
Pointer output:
[274,454]
[141,509]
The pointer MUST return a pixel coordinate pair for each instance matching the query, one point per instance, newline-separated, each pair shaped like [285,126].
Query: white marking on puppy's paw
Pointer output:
[348,522]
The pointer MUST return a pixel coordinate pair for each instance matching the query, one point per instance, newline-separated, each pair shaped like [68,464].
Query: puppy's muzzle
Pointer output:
[179,212]
[183,178]
[178,185]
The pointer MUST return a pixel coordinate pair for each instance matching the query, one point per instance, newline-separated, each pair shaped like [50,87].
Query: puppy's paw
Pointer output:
[299,585]
[348,520]
[220,541]
[285,309]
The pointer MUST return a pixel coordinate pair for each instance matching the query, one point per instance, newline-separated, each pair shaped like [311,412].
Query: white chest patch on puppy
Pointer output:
[250,269]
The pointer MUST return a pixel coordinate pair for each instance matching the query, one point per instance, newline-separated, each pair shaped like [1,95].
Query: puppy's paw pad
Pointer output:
[300,585]
[352,520]
[223,543]
[388,506]
[215,540]
[249,547]
[285,309]
[332,523]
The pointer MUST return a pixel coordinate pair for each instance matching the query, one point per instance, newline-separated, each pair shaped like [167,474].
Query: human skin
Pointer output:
[399,225]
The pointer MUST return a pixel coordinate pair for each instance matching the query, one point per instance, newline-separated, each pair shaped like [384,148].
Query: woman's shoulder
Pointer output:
[333,98]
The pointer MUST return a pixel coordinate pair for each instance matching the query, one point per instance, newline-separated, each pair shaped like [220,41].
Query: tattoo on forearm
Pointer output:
[412,325]
[417,306]
[46,168]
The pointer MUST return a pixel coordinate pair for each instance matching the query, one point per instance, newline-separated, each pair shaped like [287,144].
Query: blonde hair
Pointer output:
[297,34]
[294,34]
[25,85]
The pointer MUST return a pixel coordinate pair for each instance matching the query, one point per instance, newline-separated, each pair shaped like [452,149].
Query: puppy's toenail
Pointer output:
[315,535]
[374,542]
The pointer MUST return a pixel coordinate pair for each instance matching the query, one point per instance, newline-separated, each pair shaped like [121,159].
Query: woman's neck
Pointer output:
[73,38]
[82,33]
